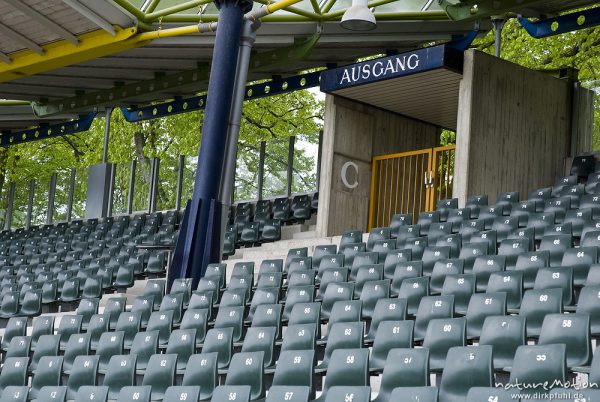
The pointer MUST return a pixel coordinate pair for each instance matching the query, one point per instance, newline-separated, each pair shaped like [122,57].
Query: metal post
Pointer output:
[180,170]
[203,234]
[111,190]
[319,154]
[51,197]
[290,165]
[153,185]
[109,111]
[131,187]
[9,207]
[71,193]
[498,26]
[30,204]
[227,189]
[261,169]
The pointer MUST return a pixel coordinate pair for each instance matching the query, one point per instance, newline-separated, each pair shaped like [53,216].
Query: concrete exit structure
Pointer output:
[515,127]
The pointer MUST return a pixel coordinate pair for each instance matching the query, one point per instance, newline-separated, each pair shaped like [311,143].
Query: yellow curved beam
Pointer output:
[59,54]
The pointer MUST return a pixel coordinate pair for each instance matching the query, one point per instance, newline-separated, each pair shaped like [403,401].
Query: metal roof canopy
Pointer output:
[37,28]
[422,84]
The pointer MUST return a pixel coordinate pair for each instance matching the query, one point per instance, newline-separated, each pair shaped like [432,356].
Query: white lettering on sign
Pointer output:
[380,68]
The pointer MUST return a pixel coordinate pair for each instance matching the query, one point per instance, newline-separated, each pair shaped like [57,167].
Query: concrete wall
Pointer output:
[355,133]
[514,128]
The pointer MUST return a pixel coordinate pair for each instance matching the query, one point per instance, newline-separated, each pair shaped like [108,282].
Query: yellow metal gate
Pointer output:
[409,182]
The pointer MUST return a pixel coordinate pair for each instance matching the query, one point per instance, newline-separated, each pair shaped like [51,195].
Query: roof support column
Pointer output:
[202,240]
[498,27]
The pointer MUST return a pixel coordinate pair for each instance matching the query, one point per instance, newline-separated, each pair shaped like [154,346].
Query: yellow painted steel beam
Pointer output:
[91,45]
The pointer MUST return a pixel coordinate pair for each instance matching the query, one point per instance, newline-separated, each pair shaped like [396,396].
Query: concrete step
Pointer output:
[305,235]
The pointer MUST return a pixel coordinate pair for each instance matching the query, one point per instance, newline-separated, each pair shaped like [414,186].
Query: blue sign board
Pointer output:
[399,65]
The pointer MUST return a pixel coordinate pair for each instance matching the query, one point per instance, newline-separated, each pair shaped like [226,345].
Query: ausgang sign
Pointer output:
[390,67]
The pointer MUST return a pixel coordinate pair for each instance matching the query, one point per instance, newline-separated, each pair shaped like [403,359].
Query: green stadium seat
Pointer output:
[367,273]
[470,251]
[413,290]
[162,321]
[405,232]
[443,334]
[279,393]
[77,345]
[129,323]
[529,263]
[15,394]
[350,236]
[580,260]
[83,372]
[52,394]
[269,280]
[92,393]
[392,259]
[110,344]
[182,343]
[505,334]
[415,394]
[202,371]
[113,308]
[15,326]
[405,270]
[403,368]
[536,304]
[377,234]
[390,335]
[31,305]
[386,309]
[373,291]
[481,306]
[497,394]
[228,393]
[262,296]
[247,368]
[338,291]
[349,367]
[47,373]
[20,346]
[483,266]
[196,319]
[487,237]
[302,277]
[295,368]
[574,331]
[145,344]
[466,367]
[174,303]
[219,340]
[69,325]
[202,300]
[41,326]
[556,244]
[119,374]
[87,308]
[97,325]
[261,339]
[141,393]
[509,282]
[143,305]
[432,307]
[349,393]
[441,269]
[182,393]
[182,286]
[48,345]
[300,337]
[160,374]
[556,278]
[588,304]
[535,364]
[462,288]
[342,335]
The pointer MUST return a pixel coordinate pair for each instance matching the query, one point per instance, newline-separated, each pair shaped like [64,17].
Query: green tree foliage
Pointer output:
[272,119]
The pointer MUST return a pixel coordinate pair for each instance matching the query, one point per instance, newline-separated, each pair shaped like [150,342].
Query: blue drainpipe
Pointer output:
[203,232]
